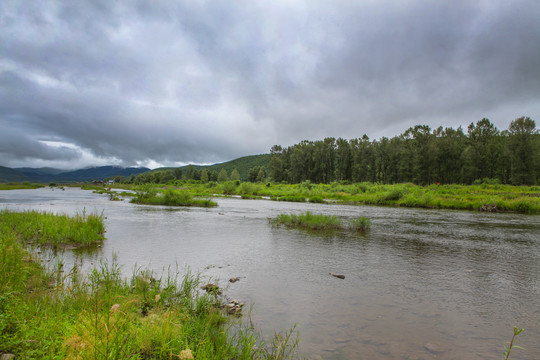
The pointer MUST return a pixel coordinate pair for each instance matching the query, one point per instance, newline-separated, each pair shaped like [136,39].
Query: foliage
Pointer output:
[235,176]
[420,155]
[511,344]
[317,199]
[222,176]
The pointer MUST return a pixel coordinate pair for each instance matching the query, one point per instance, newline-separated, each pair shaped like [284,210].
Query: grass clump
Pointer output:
[291,198]
[317,200]
[46,228]
[360,224]
[310,221]
[49,314]
[170,197]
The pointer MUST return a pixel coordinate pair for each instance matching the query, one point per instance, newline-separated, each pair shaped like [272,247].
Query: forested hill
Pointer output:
[420,155]
[9,174]
[242,165]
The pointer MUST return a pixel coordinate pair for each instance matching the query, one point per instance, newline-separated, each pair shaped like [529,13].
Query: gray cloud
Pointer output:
[176,82]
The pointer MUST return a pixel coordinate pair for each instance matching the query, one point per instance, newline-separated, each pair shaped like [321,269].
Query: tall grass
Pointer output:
[170,197]
[17,186]
[308,220]
[48,314]
[311,221]
[507,198]
[47,228]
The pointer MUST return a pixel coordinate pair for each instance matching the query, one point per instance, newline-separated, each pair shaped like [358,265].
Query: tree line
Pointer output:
[420,155]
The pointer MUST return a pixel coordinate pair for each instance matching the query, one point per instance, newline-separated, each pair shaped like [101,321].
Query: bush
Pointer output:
[229,187]
[317,199]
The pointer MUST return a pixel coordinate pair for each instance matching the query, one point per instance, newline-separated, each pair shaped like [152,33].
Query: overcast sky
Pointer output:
[156,83]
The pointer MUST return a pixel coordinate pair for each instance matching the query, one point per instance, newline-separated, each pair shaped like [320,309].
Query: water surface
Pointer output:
[422,284]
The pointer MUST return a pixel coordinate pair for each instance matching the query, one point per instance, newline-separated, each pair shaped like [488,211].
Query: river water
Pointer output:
[421,284]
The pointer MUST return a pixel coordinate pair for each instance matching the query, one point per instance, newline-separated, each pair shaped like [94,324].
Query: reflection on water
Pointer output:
[421,284]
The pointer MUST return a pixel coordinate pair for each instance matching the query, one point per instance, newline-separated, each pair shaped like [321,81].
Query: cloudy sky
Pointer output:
[156,83]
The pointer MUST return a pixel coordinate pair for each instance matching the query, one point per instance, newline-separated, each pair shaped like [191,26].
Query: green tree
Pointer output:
[235,175]
[261,175]
[362,153]
[482,155]
[178,174]
[223,176]
[449,145]
[190,172]
[275,166]
[204,176]
[523,150]
[343,160]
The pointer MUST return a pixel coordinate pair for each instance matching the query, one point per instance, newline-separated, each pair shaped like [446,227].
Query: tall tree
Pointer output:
[204,176]
[524,150]
[275,166]
[482,154]
[222,176]
[235,175]
[343,160]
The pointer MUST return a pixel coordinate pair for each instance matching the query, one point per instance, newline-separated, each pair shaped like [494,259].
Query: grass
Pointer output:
[360,224]
[503,198]
[506,198]
[310,221]
[46,228]
[49,314]
[170,197]
[17,186]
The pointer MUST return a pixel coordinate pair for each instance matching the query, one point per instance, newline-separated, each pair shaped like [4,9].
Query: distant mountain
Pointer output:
[45,175]
[99,173]
[9,175]
[40,171]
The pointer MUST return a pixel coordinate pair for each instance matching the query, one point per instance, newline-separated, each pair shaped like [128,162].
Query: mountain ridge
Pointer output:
[45,174]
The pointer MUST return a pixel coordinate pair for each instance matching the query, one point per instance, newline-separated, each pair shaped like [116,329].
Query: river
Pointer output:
[421,284]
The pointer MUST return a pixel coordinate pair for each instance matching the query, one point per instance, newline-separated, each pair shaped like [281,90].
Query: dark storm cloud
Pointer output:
[136,81]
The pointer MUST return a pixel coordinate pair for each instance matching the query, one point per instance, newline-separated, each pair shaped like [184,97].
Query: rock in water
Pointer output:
[212,288]
[339,276]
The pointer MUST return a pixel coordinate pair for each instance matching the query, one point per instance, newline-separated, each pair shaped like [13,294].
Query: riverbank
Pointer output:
[51,313]
[484,197]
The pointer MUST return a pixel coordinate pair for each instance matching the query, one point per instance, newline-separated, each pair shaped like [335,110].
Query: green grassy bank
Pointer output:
[51,314]
[482,197]
[16,186]
[489,197]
